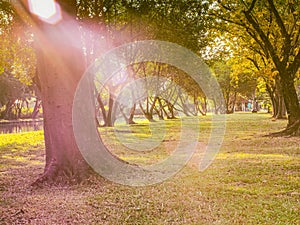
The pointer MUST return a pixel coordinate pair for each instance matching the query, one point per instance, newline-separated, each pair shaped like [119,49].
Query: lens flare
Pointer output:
[47,10]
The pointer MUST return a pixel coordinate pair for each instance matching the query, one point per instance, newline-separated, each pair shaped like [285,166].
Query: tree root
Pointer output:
[59,175]
[292,130]
[65,175]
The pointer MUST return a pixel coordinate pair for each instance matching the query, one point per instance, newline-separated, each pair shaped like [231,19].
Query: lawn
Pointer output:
[254,179]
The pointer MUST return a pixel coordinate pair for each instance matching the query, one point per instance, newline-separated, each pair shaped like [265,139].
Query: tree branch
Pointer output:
[262,46]
[224,6]
[255,63]
[279,21]
[251,6]
[264,39]
[287,41]
[294,67]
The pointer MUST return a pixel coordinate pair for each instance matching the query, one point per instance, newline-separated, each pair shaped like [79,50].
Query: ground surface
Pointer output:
[254,180]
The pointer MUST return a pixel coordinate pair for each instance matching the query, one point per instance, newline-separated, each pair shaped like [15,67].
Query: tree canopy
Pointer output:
[269,29]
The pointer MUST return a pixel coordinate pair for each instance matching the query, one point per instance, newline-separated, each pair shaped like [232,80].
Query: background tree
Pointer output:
[274,26]
[17,63]
[140,20]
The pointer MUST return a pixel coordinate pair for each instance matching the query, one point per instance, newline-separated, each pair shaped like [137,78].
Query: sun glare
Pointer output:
[47,10]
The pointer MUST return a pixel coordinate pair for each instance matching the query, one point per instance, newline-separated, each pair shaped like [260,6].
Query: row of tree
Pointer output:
[168,91]
[267,33]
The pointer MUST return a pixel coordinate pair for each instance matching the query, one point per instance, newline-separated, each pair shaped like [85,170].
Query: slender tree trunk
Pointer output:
[103,111]
[36,108]
[148,112]
[109,120]
[162,108]
[171,110]
[275,108]
[132,111]
[183,101]
[280,107]
[227,101]
[270,90]
[8,113]
[232,103]
[204,107]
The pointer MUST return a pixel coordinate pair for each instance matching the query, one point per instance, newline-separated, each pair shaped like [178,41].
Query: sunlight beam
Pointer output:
[47,10]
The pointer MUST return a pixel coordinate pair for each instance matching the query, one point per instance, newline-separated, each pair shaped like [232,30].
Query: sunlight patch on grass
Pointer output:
[21,150]
[248,155]
[22,141]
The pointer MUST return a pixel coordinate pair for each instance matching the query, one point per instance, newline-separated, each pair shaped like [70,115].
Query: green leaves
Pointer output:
[17,56]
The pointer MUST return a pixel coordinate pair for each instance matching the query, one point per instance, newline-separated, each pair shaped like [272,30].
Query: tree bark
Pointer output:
[103,111]
[109,119]
[36,108]
[148,112]
[60,65]
[280,112]
[131,116]
[292,105]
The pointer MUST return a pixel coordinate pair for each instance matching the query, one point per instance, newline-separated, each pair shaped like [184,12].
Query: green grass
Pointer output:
[253,180]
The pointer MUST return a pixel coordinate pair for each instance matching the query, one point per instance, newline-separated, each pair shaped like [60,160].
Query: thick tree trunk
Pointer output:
[280,108]
[60,65]
[292,106]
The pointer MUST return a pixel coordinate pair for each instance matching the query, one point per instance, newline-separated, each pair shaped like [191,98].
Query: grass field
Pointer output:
[253,180]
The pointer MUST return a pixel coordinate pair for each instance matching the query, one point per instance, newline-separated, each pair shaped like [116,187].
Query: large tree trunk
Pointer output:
[60,65]
[292,105]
